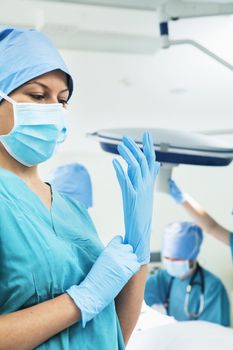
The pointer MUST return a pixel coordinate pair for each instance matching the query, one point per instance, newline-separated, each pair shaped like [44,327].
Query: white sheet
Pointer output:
[155,331]
[150,318]
[190,335]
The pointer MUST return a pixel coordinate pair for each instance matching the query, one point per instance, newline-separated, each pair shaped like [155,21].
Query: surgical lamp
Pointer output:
[172,147]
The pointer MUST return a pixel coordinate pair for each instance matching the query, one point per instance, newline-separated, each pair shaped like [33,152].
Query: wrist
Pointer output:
[181,198]
[84,301]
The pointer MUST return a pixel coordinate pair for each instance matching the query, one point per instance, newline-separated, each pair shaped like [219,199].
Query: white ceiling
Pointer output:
[179,87]
[136,4]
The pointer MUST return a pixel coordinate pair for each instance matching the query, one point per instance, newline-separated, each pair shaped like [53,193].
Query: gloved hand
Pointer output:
[137,187]
[175,192]
[114,267]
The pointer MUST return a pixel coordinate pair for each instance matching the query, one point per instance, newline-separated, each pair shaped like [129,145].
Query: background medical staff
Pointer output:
[73,180]
[200,216]
[187,291]
[59,287]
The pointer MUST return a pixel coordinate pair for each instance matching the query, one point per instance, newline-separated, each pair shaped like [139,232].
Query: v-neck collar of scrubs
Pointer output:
[32,193]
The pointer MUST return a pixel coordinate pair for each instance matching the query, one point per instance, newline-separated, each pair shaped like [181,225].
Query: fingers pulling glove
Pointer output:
[137,187]
[175,192]
[114,267]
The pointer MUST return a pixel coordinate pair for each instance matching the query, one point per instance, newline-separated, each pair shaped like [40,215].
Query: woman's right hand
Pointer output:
[114,267]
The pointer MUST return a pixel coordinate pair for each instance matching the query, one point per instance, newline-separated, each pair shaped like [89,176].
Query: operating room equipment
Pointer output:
[165,173]
[72,33]
[172,147]
[74,36]
[171,11]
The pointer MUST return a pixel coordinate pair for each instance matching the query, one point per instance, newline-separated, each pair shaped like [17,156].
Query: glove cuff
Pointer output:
[82,298]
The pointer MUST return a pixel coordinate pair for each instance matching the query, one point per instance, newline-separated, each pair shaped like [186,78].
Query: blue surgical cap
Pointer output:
[24,55]
[74,181]
[182,240]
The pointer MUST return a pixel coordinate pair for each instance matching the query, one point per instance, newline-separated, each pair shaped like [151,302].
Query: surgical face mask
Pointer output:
[37,132]
[177,268]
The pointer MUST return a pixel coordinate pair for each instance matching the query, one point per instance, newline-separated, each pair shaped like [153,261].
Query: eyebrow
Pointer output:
[45,86]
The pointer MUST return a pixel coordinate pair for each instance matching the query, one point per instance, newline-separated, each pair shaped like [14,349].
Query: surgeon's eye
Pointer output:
[64,102]
[42,98]
[38,97]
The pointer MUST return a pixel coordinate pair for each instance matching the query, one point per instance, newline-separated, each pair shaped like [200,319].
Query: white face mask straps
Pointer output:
[6,97]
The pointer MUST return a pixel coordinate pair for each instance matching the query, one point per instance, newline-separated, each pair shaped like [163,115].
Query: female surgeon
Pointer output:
[203,219]
[59,287]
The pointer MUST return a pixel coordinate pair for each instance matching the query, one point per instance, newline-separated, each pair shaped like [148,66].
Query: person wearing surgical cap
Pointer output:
[200,216]
[186,290]
[60,288]
[73,180]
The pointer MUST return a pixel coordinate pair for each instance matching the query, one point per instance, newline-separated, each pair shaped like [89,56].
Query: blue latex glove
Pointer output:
[114,267]
[175,192]
[137,187]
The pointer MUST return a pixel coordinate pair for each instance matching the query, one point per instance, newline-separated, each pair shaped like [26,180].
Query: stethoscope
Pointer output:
[191,315]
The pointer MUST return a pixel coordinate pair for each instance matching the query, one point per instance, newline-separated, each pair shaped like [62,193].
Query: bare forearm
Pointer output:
[26,329]
[129,301]
[205,221]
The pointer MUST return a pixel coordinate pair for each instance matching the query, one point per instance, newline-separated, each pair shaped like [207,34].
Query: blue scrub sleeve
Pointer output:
[231,243]
[156,288]
[150,290]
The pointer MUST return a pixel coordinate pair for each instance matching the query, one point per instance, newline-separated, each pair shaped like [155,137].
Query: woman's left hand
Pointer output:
[137,186]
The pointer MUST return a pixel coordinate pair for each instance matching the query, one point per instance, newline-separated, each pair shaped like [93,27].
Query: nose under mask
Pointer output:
[38,130]
[177,268]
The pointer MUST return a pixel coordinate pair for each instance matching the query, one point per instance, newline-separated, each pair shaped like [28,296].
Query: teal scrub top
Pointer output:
[42,253]
[216,309]
[231,243]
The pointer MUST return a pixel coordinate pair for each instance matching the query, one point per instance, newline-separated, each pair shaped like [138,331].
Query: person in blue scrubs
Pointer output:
[60,288]
[200,216]
[185,289]
[73,180]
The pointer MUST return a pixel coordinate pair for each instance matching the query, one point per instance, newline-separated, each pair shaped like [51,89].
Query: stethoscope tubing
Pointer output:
[191,315]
